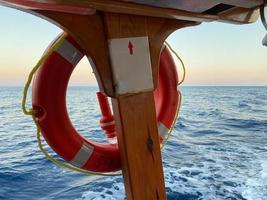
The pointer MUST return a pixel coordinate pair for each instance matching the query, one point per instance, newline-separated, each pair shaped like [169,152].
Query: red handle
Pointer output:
[107,121]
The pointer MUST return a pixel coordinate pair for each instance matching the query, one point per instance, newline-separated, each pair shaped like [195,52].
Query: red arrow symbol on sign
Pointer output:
[130,47]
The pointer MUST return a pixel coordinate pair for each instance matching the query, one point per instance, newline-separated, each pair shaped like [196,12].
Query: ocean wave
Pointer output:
[245,123]
[244,104]
[200,133]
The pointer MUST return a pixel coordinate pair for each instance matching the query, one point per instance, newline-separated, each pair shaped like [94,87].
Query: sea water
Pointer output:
[218,149]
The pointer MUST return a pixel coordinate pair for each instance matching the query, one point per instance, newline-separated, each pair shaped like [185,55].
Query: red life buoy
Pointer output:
[49,102]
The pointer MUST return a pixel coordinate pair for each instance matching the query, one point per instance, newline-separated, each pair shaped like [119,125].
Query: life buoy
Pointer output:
[49,102]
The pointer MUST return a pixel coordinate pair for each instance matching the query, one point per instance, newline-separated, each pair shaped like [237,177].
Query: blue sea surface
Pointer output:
[218,150]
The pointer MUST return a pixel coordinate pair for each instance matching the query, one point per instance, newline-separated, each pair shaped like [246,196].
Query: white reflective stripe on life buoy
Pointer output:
[162,129]
[69,52]
[82,156]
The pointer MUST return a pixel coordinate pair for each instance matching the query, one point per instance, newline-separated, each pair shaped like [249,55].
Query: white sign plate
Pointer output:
[131,65]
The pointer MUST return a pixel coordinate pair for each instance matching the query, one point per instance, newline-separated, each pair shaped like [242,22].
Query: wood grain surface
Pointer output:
[139,146]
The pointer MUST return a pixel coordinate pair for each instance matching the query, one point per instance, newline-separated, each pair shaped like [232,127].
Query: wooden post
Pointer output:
[139,146]
[136,123]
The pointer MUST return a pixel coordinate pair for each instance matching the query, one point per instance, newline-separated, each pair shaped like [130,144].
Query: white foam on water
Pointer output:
[256,185]
[209,177]
[183,184]
[107,188]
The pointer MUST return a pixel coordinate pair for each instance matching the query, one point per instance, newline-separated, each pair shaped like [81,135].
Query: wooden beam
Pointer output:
[135,118]
[139,146]
[88,31]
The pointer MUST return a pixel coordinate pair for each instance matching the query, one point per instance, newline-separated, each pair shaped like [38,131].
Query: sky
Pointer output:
[214,53]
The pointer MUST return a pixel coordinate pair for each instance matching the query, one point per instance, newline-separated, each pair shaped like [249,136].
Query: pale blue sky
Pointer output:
[215,53]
